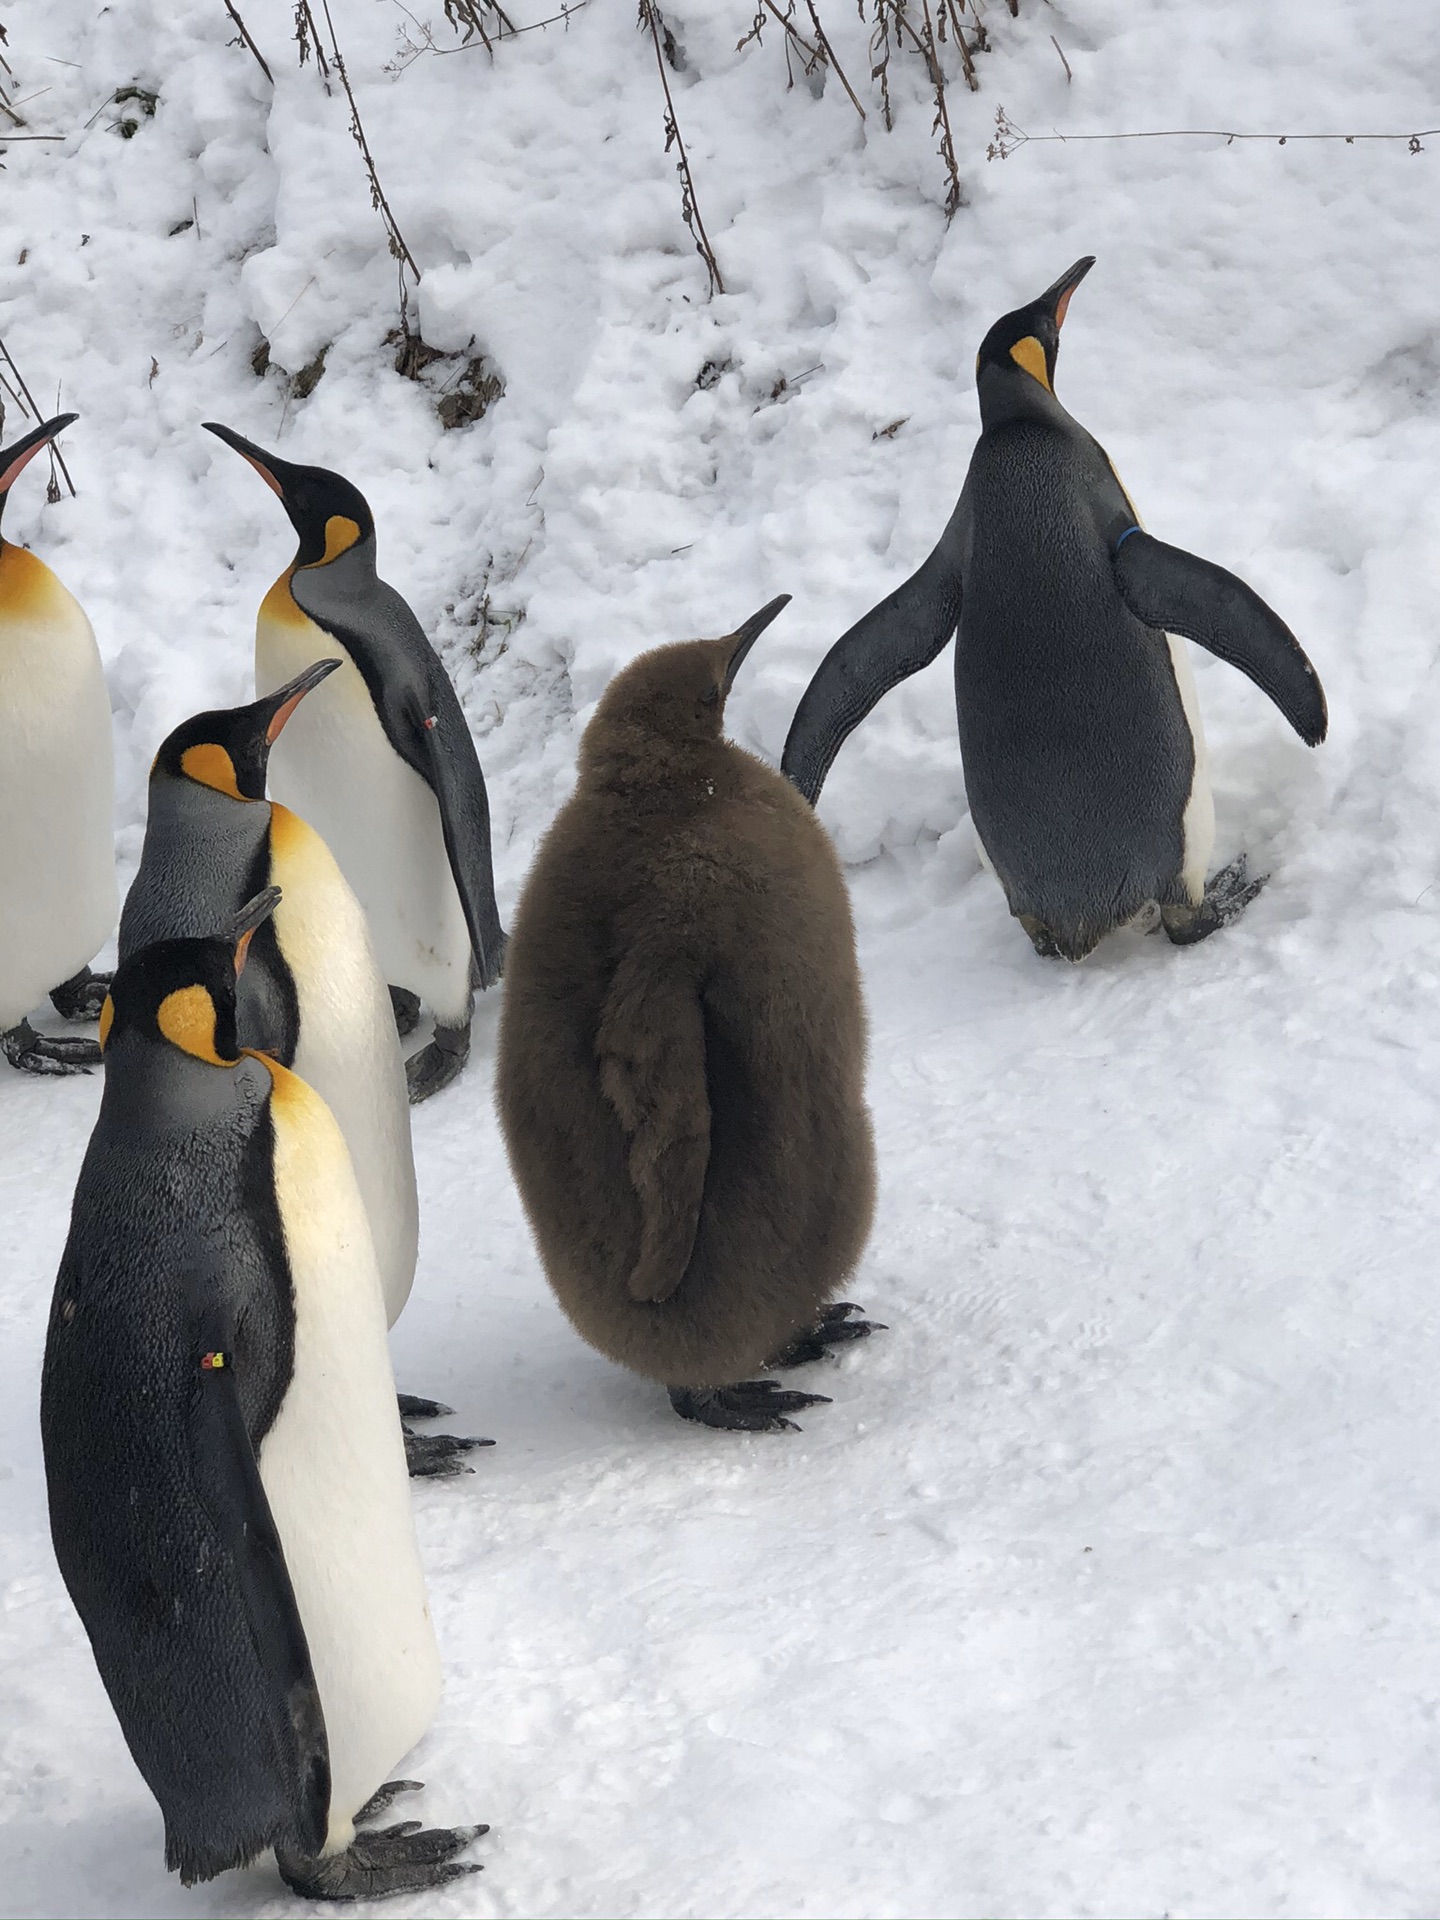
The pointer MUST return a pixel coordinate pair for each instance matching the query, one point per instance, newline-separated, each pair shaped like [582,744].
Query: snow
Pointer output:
[1110,1582]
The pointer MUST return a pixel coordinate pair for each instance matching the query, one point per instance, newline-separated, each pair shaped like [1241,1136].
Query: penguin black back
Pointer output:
[167,1356]
[682,1039]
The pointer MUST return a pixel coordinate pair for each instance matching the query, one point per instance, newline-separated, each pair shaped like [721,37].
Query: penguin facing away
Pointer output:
[385,767]
[311,994]
[1079,724]
[682,1049]
[228,1497]
[57,791]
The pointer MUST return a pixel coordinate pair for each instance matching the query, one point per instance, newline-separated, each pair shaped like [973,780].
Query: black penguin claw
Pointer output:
[747,1406]
[407,1010]
[386,1796]
[412,1407]
[437,1456]
[82,996]
[398,1859]
[433,1068]
[1226,898]
[833,1329]
[34,1052]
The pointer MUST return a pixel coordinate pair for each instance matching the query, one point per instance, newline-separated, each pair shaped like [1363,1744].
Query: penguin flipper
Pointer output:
[1177,592]
[443,753]
[651,1050]
[892,641]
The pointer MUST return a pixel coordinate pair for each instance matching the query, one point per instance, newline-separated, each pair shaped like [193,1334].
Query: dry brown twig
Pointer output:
[1008,138]
[661,35]
[245,36]
[822,54]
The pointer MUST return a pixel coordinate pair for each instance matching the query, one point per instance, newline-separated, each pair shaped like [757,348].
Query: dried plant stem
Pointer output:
[1008,137]
[821,54]
[689,206]
[37,416]
[824,40]
[245,36]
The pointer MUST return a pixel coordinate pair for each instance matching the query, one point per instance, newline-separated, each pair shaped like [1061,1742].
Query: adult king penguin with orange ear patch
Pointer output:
[1079,725]
[682,1051]
[384,768]
[312,994]
[57,790]
[228,1498]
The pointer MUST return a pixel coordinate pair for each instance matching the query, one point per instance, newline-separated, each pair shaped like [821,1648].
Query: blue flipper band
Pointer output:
[1125,536]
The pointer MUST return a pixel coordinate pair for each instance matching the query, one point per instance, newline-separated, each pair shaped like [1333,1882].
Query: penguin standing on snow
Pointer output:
[312,994]
[682,1051]
[57,791]
[228,1498]
[385,767]
[1079,725]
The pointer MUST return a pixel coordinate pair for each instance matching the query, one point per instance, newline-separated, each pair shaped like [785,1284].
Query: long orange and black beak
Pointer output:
[271,468]
[13,460]
[1057,298]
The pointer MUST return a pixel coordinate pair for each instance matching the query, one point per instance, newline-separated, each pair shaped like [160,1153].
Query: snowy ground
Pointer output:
[1110,1583]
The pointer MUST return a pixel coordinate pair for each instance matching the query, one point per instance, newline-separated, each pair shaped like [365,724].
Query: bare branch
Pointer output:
[689,206]
[245,36]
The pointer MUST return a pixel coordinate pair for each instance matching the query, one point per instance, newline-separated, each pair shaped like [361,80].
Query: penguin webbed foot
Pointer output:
[82,996]
[1226,898]
[1041,938]
[432,1456]
[33,1052]
[433,1068]
[748,1406]
[405,1858]
[407,1010]
[834,1328]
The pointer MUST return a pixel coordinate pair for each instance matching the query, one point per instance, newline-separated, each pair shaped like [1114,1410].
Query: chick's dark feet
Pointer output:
[34,1052]
[1226,898]
[82,996]
[834,1328]
[749,1406]
[383,1860]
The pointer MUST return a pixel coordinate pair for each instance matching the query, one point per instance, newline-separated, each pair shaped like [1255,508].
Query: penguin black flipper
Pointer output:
[651,1051]
[425,723]
[185,1595]
[895,639]
[1177,592]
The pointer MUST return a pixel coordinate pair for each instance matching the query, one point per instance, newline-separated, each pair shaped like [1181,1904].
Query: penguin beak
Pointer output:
[14,459]
[268,465]
[1057,298]
[745,637]
[241,925]
[287,698]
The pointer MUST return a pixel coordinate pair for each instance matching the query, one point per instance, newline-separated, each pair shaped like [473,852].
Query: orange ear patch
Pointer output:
[187,1020]
[107,1020]
[1029,354]
[341,534]
[211,766]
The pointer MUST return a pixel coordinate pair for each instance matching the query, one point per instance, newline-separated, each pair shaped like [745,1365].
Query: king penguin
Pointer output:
[1079,725]
[682,1051]
[385,768]
[57,792]
[312,994]
[228,1498]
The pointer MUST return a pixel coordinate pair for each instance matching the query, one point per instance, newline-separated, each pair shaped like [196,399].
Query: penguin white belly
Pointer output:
[57,787]
[333,1468]
[348,1049]
[334,765]
[1198,823]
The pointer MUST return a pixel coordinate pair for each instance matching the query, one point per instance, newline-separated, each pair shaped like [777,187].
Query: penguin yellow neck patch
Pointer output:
[1029,354]
[340,535]
[187,1020]
[107,1020]
[211,766]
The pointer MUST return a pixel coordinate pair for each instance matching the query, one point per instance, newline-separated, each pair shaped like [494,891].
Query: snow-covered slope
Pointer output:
[1110,1583]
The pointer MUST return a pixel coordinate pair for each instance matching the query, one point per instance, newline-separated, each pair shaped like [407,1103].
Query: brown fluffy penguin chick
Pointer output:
[682,1050]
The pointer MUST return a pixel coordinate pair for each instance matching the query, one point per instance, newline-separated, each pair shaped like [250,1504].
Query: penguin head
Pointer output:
[181,993]
[329,515]
[14,459]
[229,749]
[672,697]
[1016,361]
